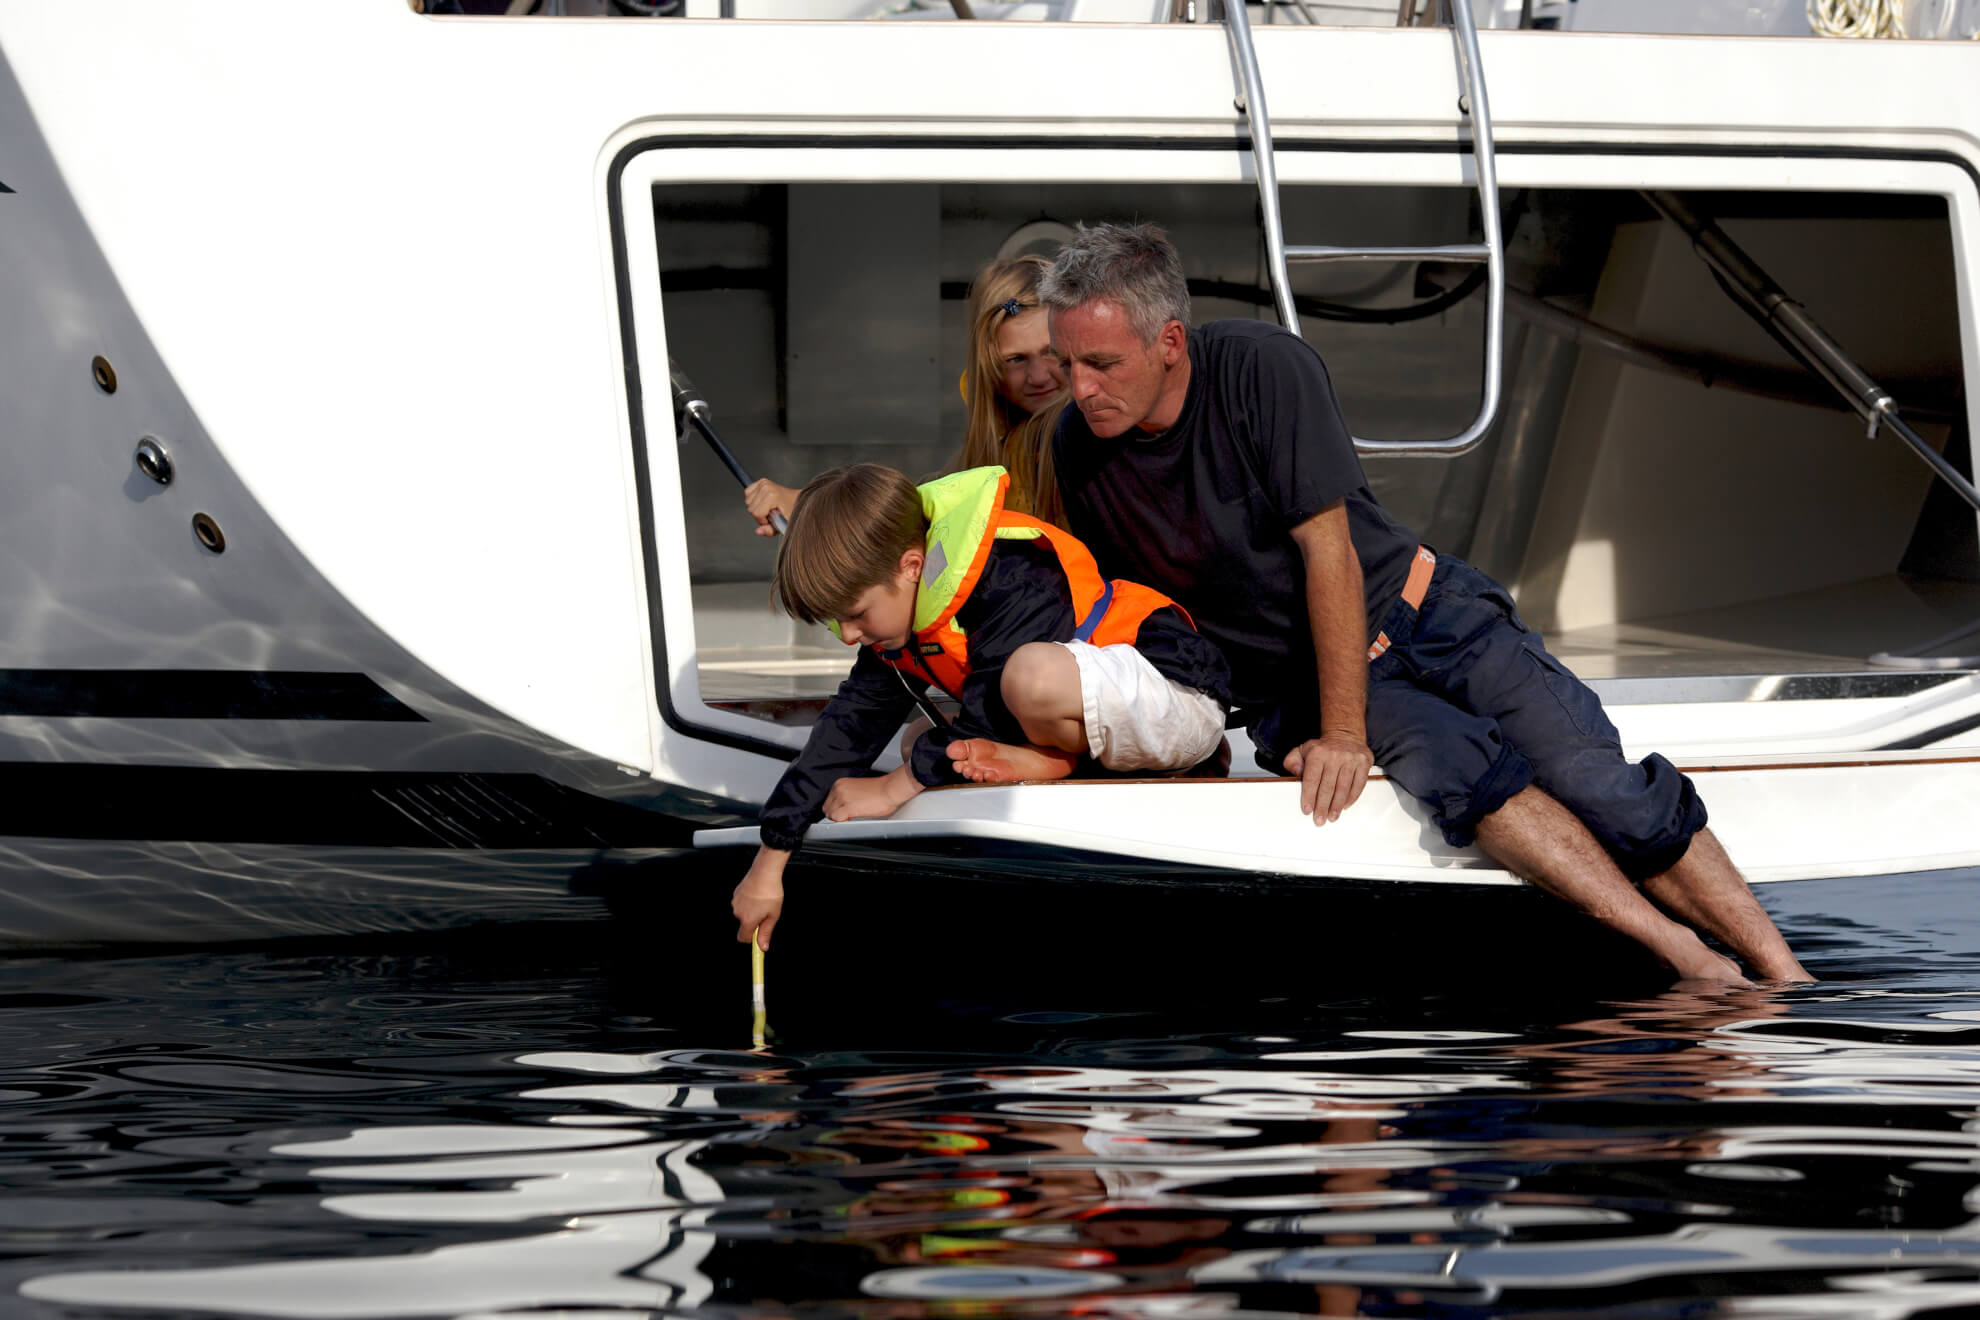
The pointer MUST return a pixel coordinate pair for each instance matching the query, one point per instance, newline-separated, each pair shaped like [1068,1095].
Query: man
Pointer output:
[1214,466]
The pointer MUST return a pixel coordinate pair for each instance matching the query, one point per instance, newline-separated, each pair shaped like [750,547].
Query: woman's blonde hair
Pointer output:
[847,533]
[1000,433]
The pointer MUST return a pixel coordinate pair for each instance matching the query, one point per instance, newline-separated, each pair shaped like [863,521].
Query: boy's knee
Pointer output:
[1040,679]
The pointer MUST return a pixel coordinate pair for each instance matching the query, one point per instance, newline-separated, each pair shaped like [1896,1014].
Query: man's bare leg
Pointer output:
[1706,890]
[1536,837]
[1040,684]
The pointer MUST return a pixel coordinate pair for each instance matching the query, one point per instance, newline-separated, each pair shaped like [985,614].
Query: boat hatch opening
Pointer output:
[1670,493]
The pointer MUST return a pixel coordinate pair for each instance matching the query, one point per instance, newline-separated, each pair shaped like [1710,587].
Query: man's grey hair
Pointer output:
[1133,265]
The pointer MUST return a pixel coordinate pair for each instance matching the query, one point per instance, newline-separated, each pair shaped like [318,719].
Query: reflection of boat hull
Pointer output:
[874,932]
[96,854]
[66,892]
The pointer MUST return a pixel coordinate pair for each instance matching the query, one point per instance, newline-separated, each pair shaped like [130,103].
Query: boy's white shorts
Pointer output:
[1138,720]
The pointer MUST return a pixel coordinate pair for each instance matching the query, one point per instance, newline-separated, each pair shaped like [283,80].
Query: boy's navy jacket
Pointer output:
[1022,597]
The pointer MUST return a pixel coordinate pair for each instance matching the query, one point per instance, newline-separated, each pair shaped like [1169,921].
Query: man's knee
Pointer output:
[1466,802]
[1041,681]
[1645,813]
[1456,763]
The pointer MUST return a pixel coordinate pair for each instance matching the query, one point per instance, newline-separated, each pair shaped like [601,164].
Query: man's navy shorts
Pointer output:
[1466,708]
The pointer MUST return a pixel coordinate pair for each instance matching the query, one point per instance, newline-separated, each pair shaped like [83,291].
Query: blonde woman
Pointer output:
[1011,386]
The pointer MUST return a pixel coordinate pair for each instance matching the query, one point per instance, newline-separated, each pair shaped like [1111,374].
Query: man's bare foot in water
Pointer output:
[988,762]
[1702,969]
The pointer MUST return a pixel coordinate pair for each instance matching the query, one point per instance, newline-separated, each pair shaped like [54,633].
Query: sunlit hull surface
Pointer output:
[433,621]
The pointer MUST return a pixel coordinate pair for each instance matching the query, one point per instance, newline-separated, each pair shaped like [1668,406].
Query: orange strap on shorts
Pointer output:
[1420,569]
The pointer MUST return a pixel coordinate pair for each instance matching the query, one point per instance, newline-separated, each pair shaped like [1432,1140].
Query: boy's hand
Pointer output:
[759,899]
[864,799]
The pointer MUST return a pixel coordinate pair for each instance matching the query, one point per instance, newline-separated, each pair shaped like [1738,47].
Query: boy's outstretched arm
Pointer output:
[856,724]
[759,898]
[854,728]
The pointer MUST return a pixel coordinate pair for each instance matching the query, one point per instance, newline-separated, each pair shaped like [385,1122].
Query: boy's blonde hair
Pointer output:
[848,532]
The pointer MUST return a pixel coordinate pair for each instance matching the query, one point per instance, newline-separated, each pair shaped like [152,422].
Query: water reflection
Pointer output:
[1807,1152]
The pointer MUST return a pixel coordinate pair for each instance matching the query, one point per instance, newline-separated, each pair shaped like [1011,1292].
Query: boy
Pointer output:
[940,585]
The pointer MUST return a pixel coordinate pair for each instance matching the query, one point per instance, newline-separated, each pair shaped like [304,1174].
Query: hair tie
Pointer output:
[1011,307]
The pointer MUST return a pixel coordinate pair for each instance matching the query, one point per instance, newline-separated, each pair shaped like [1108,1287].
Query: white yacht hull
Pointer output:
[1781,818]
[404,341]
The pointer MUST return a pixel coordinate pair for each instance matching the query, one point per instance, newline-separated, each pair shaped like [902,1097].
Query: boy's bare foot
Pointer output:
[988,762]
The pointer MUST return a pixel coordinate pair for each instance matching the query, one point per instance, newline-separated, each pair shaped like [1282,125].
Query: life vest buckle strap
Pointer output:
[1091,623]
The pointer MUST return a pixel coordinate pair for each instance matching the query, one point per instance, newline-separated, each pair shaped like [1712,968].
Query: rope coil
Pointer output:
[1856,18]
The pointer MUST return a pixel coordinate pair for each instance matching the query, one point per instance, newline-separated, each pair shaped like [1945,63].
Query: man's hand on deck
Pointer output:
[1332,770]
[865,797]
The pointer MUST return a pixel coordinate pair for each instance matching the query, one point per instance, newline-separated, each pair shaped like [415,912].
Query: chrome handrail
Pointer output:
[1477,252]
[1796,330]
[1492,252]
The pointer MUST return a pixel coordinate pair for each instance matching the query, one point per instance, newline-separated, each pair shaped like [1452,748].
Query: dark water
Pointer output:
[542,1122]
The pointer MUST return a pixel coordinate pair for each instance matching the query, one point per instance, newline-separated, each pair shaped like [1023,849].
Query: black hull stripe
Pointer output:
[199,694]
[323,808]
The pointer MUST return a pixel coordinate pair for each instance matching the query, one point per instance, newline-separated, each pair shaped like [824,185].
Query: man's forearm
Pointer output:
[1333,765]
[1339,644]
[1339,620]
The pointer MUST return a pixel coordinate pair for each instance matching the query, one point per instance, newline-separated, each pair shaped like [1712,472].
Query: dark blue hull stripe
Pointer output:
[199,694]
[321,808]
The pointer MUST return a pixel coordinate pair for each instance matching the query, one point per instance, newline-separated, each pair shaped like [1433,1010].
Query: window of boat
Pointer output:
[1353,13]
[1665,483]
[1781,18]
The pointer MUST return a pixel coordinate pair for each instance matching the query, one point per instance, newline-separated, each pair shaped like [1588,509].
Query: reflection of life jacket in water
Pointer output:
[966,516]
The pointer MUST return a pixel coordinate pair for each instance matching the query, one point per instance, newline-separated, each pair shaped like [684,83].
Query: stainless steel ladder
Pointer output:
[1492,252]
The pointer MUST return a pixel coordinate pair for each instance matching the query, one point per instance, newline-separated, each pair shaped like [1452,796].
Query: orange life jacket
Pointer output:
[966,518]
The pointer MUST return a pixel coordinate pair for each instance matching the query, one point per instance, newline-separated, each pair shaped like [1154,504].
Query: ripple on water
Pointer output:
[267,1133]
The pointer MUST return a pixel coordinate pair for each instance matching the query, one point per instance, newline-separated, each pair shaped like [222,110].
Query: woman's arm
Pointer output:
[763,497]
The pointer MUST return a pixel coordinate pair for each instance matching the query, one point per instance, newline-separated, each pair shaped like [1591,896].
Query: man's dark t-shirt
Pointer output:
[1204,511]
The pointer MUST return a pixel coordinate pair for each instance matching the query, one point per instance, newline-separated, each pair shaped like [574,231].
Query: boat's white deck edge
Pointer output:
[1781,818]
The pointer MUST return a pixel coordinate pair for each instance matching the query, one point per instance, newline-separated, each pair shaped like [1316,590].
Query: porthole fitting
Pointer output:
[153,460]
[105,374]
[209,532]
